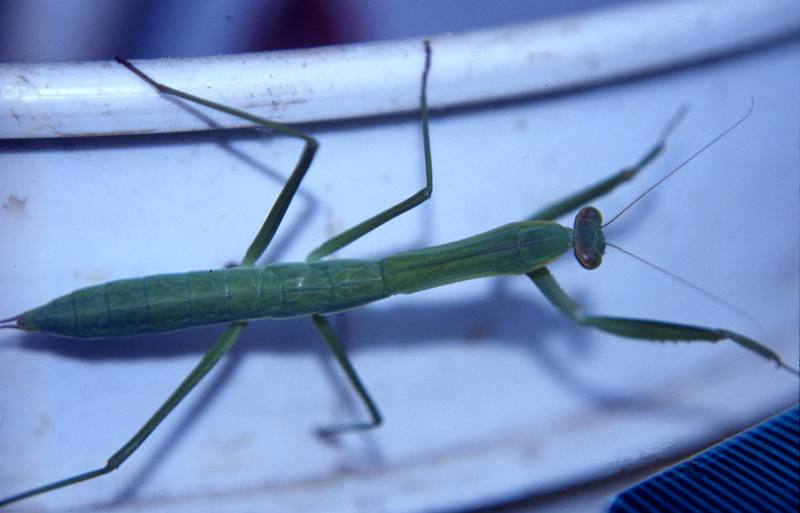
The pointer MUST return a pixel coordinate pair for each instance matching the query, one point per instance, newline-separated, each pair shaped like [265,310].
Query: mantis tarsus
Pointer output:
[408,272]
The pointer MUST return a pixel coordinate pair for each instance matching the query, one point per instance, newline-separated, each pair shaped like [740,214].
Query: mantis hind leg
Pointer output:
[234,330]
[581,198]
[278,210]
[346,237]
[645,329]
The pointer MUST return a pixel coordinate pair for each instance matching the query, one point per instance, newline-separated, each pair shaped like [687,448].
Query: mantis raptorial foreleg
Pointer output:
[583,197]
[643,329]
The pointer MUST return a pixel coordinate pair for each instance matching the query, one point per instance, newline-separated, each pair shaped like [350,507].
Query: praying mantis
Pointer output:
[434,196]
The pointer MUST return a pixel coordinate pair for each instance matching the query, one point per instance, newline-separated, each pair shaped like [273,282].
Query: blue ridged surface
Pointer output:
[758,471]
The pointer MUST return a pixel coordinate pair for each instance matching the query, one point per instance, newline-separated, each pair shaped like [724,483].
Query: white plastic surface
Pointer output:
[487,391]
[320,84]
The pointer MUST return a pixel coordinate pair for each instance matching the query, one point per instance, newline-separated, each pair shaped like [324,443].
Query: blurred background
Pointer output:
[86,30]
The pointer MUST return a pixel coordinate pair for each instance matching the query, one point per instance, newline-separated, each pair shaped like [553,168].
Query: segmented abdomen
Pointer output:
[173,301]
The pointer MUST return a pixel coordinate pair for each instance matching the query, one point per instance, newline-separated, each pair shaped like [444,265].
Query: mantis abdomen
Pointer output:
[166,302]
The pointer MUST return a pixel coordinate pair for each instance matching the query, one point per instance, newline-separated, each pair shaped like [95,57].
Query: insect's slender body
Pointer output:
[319,287]
[166,302]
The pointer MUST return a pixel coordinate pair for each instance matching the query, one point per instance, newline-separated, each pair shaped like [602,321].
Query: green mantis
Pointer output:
[515,249]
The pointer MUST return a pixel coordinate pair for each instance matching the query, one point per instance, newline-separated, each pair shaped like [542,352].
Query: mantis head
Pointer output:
[589,244]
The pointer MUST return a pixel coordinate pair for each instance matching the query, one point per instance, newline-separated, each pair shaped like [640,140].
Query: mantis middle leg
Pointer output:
[321,322]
